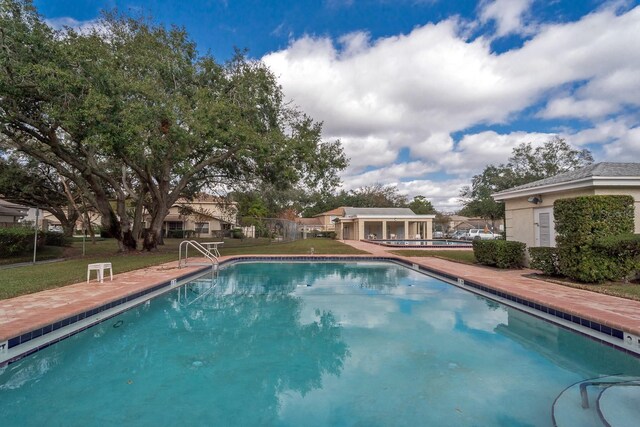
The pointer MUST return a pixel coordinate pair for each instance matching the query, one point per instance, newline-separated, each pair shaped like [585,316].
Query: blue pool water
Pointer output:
[308,344]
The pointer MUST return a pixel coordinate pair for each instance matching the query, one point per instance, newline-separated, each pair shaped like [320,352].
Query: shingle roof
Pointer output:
[337,212]
[607,169]
[309,221]
[377,211]
[12,209]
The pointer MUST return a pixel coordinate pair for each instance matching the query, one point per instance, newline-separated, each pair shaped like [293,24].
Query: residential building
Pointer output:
[529,207]
[11,213]
[205,216]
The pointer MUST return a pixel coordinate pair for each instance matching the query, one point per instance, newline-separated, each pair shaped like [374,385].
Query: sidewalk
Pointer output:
[25,264]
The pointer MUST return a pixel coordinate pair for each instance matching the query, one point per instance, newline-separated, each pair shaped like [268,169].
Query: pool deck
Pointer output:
[29,312]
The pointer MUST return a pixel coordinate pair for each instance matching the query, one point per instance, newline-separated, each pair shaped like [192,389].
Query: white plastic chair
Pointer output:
[99,268]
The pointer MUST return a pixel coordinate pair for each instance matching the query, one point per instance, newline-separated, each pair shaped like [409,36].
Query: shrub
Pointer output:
[16,241]
[237,233]
[545,259]
[52,238]
[499,253]
[583,219]
[624,250]
[579,223]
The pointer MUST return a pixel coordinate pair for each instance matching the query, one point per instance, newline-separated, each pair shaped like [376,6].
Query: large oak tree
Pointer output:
[139,117]
[526,164]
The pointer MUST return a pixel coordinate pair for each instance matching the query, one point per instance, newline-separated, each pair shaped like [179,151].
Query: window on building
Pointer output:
[226,226]
[174,225]
[202,227]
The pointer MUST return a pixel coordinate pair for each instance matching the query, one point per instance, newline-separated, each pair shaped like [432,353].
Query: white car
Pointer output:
[478,233]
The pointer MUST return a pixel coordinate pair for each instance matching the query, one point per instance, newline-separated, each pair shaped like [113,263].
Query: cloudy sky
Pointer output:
[424,93]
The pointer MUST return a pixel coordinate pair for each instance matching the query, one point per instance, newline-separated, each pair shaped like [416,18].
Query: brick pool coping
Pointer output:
[29,312]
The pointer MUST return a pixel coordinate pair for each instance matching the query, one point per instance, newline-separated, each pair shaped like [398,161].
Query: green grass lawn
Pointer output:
[33,278]
[453,255]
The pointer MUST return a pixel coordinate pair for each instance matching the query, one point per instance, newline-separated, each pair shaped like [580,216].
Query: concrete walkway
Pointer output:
[29,312]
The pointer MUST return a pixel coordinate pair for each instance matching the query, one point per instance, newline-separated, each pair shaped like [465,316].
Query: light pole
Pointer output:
[35,238]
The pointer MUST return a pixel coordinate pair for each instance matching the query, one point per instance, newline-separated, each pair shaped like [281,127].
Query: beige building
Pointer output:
[11,213]
[380,223]
[205,216]
[529,208]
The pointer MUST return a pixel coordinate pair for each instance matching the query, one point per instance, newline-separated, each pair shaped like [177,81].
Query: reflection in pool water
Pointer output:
[308,344]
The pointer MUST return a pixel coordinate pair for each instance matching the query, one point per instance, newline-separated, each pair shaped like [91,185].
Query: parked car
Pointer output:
[438,235]
[478,233]
[458,235]
[55,228]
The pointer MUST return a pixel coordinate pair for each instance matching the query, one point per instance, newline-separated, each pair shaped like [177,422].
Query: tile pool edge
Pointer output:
[19,346]
[25,344]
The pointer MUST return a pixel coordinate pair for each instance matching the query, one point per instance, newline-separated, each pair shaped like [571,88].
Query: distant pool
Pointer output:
[423,243]
[310,344]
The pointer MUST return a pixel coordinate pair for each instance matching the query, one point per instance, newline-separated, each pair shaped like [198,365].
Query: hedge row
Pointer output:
[15,241]
[623,250]
[52,238]
[581,223]
[499,253]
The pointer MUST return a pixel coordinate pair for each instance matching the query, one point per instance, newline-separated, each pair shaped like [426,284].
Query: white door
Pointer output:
[544,227]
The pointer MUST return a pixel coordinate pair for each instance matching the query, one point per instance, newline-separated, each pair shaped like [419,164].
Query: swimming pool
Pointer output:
[309,344]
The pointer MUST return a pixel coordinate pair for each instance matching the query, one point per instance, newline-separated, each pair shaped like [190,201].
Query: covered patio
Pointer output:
[383,224]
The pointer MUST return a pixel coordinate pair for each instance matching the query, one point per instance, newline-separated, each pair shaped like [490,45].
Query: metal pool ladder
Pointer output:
[182,262]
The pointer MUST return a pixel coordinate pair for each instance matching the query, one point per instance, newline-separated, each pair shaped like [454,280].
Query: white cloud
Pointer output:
[507,14]
[414,90]
[568,107]
[475,151]
[444,195]
[626,147]
[391,174]
[81,27]
[602,133]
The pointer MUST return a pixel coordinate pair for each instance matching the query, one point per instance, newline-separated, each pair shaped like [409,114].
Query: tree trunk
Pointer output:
[153,238]
[69,226]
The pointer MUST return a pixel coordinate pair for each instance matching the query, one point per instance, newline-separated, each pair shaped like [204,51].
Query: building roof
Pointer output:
[347,213]
[377,211]
[309,221]
[337,212]
[604,173]
[12,209]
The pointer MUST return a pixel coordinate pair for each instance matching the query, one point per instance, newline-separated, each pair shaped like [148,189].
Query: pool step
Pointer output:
[604,401]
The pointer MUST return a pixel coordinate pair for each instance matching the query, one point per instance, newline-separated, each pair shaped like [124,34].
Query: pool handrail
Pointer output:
[207,254]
